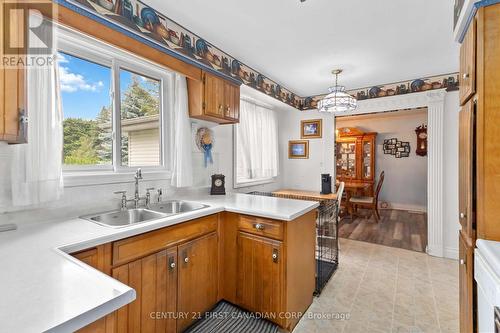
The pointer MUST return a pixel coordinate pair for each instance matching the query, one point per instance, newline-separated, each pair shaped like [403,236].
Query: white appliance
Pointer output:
[487,276]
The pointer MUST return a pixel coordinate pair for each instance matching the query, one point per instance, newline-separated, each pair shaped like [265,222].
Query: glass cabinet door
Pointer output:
[367,159]
[346,159]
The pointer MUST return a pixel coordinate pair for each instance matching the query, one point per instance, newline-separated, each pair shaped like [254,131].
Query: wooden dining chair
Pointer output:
[368,202]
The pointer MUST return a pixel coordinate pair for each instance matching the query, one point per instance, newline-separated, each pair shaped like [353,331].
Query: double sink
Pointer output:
[127,217]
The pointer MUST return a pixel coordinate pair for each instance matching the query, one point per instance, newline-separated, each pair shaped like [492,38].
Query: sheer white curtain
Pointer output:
[37,165]
[256,143]
[180,135]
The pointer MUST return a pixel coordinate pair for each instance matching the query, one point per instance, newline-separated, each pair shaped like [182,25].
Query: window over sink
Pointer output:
[113,105]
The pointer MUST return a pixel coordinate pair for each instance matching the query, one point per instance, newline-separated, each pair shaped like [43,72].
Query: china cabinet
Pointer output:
[355,156]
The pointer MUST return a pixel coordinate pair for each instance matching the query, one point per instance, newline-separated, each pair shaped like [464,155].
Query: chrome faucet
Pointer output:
[138,176]
[137,198]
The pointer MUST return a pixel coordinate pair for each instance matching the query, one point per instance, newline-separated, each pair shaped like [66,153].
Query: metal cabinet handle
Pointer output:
[220,107]
[275,255]
[186,260]
[462,262]
[463,215]
[259,226]
[465,76]
[171,263]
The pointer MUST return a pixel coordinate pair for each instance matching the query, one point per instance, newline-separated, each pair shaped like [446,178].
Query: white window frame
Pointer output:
[253,182]
[91,49]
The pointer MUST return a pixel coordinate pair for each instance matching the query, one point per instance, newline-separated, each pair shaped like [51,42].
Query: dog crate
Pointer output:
[327,242]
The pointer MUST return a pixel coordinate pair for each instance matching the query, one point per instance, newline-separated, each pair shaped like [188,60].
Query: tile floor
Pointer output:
[385,289]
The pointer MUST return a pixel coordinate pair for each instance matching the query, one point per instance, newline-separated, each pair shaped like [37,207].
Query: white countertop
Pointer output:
[42,288]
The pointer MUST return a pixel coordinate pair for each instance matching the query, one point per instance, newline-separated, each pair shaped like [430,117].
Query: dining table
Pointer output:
[352,189]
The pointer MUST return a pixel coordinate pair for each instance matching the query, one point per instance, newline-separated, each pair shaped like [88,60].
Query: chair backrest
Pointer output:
[340,193]
[379,185]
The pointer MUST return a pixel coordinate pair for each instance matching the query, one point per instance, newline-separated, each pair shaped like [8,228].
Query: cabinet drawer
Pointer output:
[261,227]
[135,247]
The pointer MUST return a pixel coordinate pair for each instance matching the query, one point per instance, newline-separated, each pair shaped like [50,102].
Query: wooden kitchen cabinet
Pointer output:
[98,258]
[466,169]
[181,271]
[259,284]
[466,285]
[13,89]
[214,99]
[154,279]
[198,278]
[274,266]
[468,64]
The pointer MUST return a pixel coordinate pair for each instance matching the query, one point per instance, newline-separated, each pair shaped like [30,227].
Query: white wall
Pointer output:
[405,184]
[305,174]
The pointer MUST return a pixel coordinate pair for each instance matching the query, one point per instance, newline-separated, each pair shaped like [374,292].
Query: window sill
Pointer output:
[90,178]
[254,182]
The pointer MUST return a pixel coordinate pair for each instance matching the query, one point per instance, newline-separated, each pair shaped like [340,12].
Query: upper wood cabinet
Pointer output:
[13,90]
[214,99]
[198,278]
[468,64]
[487,157]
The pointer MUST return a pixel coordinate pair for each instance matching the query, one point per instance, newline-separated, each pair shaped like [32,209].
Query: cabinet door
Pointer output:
[259,274]
[12,88]
[90,257]
[466,169]
[368,158]
[154,279]
[213,96]
[466,285]
[232,101]
[198,284]
[468,64]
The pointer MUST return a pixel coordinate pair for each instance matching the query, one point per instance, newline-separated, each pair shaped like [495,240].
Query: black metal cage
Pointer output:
[327,241]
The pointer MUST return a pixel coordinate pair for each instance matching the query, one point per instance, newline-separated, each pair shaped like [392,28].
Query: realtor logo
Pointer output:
[27,35]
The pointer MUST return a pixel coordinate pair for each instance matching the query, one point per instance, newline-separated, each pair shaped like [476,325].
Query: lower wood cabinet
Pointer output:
[259,285]
[466,285]
[198,278]
[180,272]
[154,279]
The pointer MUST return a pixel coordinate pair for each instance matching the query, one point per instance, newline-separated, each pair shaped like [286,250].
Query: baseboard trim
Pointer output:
[451,253]
[413,208]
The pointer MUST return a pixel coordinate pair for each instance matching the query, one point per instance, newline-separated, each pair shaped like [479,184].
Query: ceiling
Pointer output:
[298,44]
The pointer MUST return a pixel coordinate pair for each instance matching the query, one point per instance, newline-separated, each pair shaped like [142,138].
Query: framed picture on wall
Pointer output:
[298,149]
[311,129]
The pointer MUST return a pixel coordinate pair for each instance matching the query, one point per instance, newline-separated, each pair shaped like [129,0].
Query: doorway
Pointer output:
[366,145]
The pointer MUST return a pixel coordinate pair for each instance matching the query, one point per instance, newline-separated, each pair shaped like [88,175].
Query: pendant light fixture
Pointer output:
[337,100]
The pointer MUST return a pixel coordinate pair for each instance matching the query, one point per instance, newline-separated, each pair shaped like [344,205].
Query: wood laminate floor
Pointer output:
[396,228]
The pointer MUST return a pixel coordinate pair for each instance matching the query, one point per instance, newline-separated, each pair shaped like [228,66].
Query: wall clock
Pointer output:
[421,140]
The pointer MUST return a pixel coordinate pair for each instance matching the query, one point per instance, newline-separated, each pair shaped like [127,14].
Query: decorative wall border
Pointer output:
[143,23]
[140,21]
[448,81]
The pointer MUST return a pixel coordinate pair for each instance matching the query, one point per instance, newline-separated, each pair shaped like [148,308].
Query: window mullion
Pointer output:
[117,135]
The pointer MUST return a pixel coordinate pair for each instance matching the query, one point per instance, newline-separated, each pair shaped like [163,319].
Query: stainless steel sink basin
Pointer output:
[176,207]
[123,218]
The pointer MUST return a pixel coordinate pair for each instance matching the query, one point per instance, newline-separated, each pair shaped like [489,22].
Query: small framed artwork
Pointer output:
[298,149]
[311,129]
